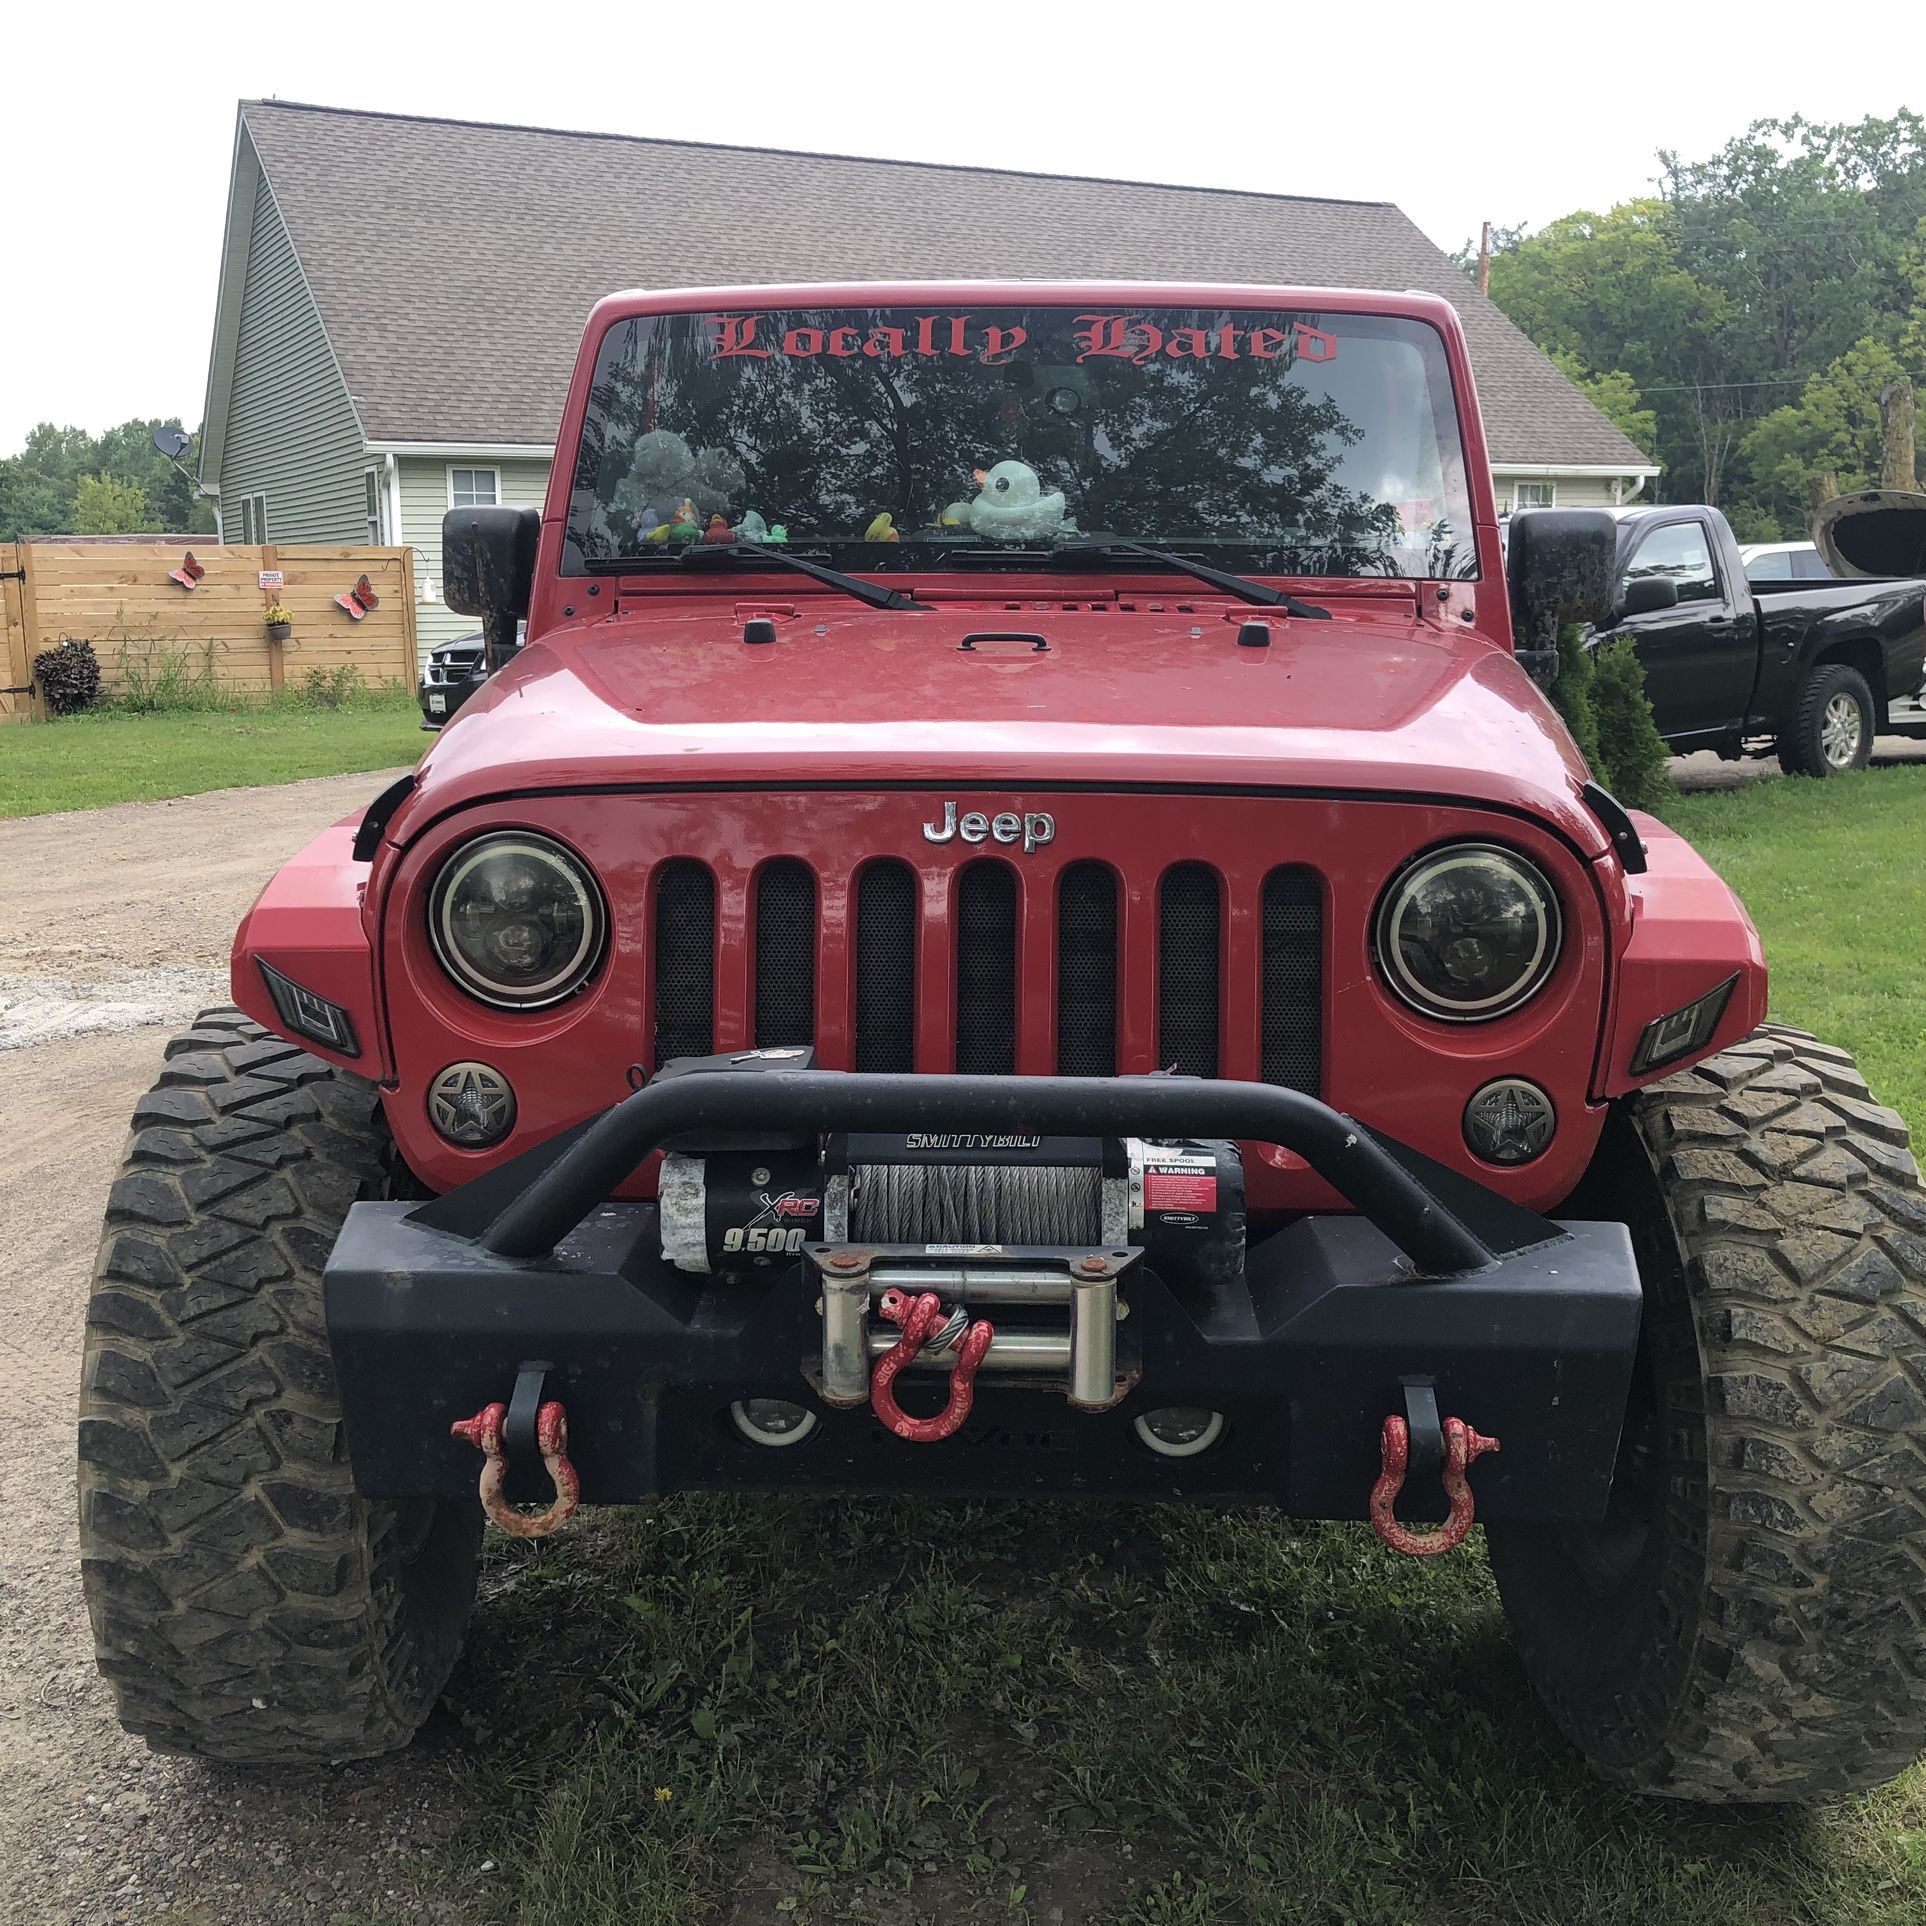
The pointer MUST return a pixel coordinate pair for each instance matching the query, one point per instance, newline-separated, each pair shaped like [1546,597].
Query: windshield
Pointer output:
[1280,443]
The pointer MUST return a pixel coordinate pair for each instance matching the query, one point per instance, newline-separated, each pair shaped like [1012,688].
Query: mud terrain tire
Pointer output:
[1831,723]
[247,1604]
[1750,1621]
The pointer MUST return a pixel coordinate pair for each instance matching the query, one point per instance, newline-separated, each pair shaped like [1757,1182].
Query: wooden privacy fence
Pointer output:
[118,596]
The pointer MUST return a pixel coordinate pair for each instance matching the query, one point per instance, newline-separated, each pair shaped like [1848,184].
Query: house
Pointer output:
[401,299]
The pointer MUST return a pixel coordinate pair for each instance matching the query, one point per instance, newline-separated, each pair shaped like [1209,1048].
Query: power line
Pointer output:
[1776,381]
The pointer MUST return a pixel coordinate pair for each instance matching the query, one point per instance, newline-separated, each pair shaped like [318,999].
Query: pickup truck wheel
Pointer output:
[1746,1624]
[247,1604]
[1831,725]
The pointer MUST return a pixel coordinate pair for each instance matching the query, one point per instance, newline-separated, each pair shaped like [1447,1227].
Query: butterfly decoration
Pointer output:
[189,573]
[358,600]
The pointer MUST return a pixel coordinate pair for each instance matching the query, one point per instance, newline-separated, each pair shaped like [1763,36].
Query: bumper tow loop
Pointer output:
[922,1321]
[484,1432]
[1461,1446]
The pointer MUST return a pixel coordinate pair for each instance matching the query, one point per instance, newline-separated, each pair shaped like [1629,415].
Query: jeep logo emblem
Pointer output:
[1032,831]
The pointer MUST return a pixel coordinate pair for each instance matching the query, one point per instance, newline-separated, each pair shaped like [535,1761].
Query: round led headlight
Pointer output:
[517,920]
[1468,933]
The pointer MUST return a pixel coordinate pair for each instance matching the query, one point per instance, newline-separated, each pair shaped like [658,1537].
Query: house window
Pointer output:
[253,520]
[473,488]
[1538,494]
[371,491]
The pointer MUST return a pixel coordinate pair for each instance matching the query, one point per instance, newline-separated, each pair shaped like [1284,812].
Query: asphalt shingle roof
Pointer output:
[455,263]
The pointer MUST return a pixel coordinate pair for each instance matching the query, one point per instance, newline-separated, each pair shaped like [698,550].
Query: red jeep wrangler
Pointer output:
[1019,926]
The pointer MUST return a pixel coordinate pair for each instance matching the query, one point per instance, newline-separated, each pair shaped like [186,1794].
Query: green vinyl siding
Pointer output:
[292,434]
[521,482]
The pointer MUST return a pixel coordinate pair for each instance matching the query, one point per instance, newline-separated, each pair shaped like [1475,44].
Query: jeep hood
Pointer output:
[1373,700]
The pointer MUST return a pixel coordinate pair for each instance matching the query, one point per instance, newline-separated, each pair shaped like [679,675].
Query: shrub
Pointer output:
[1631,750]
[1572,692]
[336,687]
[68,676]
[154,678]
[1600,692]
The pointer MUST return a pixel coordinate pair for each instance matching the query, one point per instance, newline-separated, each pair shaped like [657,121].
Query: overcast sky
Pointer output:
[117,124]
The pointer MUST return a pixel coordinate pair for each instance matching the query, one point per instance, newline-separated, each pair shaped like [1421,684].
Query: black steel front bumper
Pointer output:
[1527,1328]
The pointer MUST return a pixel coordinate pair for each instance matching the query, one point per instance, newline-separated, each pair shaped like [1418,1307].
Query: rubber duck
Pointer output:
[718,530]
[1012,506]
[685,527]
[882,529]
[752,528]
[779,534]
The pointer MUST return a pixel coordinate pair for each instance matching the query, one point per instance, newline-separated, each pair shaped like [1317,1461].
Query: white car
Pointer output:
[1783,562]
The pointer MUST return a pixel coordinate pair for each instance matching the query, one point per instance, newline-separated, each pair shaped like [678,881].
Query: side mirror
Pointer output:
[1646,594]
[488,569]
[1561,565]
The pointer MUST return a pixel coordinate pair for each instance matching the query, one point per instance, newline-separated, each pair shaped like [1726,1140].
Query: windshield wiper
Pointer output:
[1239,585]
[874,593]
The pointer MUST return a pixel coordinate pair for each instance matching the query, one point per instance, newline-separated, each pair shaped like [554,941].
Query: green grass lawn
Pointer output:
[1834,874]
[899,1711]
[84,761]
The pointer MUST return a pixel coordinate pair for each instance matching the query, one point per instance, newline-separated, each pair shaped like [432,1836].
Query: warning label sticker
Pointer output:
[1179,1187]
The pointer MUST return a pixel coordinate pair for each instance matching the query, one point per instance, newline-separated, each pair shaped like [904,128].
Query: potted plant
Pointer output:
[280,624]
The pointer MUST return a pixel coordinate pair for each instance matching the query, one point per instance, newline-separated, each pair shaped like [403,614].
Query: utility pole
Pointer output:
[1484,258]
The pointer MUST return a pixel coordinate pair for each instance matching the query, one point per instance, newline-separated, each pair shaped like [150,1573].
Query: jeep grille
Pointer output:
[1194,953]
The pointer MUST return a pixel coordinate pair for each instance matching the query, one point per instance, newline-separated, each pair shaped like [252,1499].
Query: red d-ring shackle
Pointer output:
[1461,1446]
[919,1316]
[484,1432]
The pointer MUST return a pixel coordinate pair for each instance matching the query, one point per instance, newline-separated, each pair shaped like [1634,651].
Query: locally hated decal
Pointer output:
[1114,337]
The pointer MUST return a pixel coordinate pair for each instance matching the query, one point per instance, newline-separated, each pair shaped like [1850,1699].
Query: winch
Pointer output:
[1045,1228]
[737,1210]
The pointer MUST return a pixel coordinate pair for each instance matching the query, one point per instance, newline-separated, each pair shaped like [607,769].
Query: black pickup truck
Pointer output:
[1813,669]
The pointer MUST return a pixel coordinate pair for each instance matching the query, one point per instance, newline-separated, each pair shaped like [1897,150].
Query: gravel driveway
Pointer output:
[121,923]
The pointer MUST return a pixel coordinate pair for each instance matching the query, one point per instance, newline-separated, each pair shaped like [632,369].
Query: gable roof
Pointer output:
[454,263]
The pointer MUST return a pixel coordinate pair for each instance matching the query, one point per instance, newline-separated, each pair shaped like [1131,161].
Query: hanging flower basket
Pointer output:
[280,624]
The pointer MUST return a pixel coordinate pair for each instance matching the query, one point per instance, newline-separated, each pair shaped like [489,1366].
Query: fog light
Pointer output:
[1668,1038]
[1180,1430]
[310,1016]
[771,1421]
[1510,1122]
[472,1105]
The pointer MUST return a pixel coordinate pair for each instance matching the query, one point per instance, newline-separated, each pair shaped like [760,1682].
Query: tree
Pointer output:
[38,486]
[1833,427]
[1611,292]
[1795,250]
[1804,228]
[104,506]
[1615,396]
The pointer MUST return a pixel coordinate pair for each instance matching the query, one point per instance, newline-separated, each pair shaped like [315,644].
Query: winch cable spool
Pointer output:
[976,1204]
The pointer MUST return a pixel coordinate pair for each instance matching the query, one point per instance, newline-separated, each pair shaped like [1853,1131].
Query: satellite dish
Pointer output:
[173,442]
